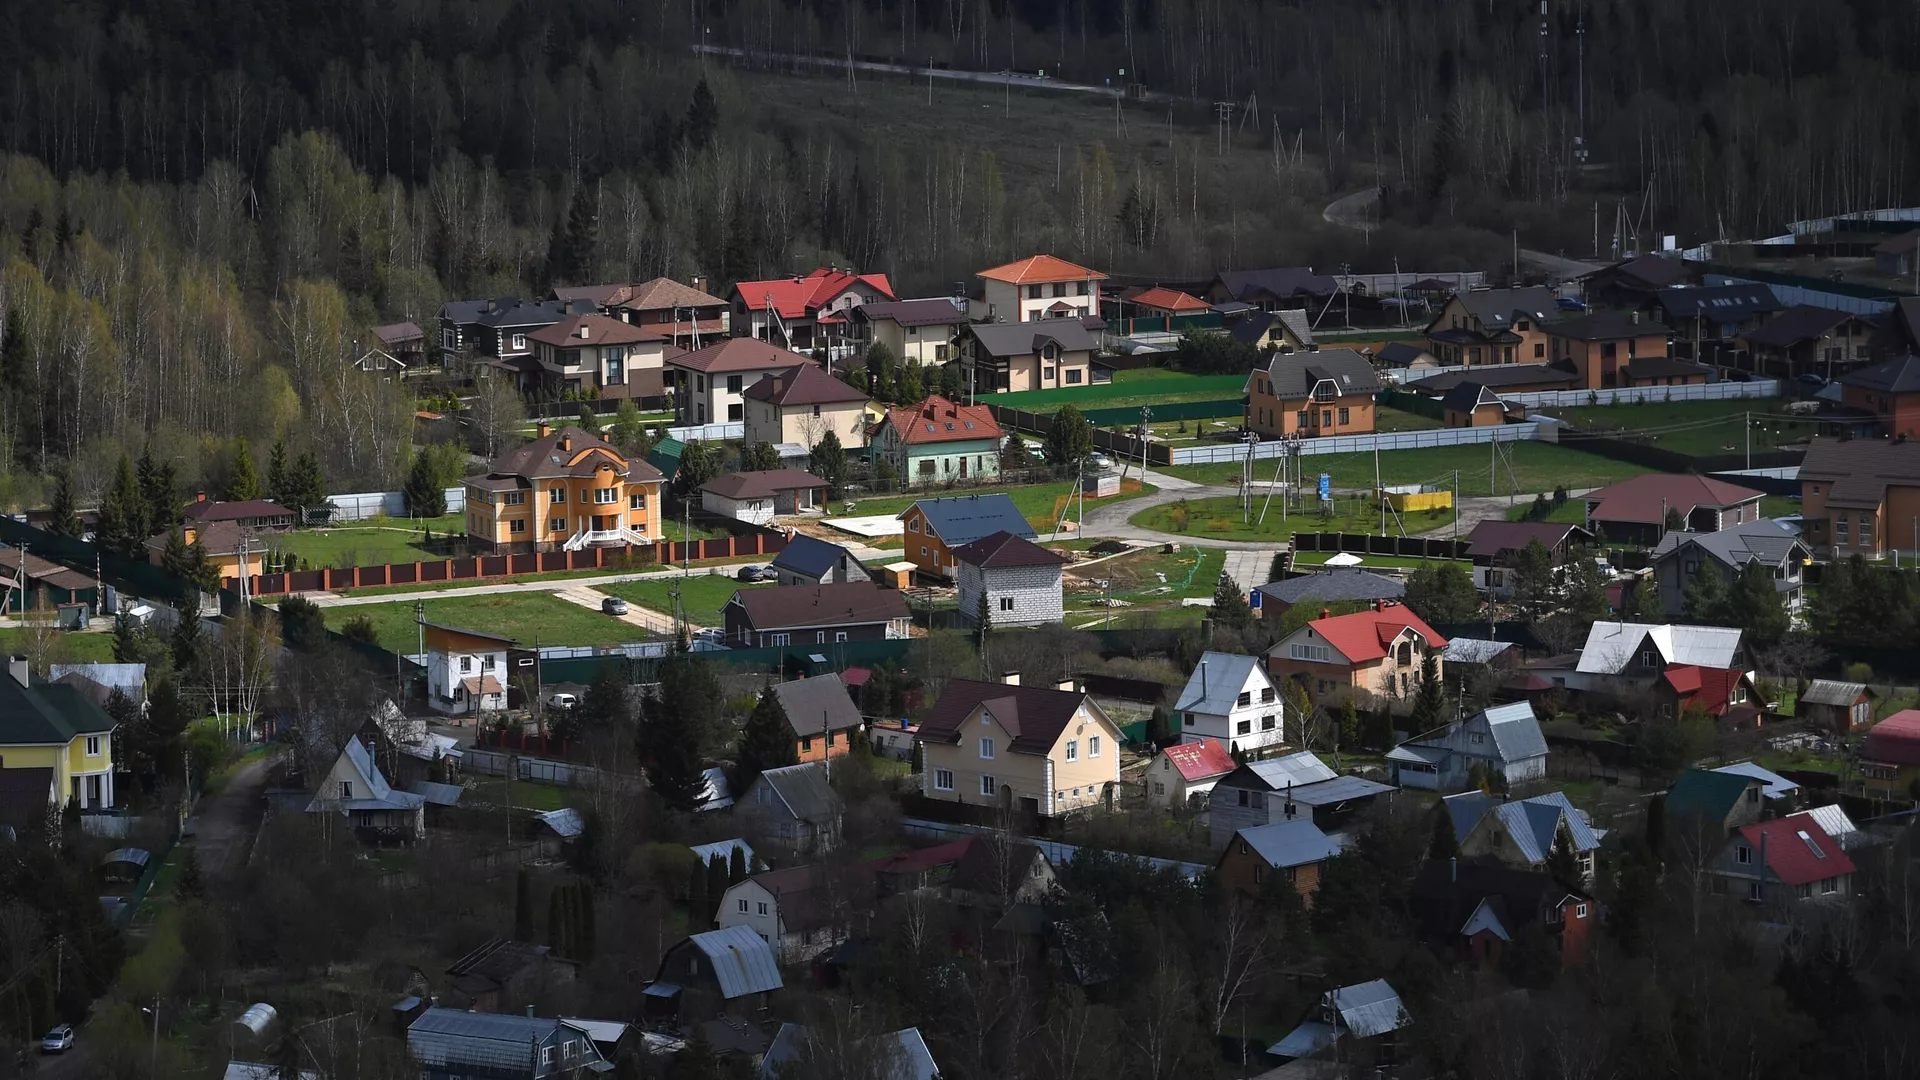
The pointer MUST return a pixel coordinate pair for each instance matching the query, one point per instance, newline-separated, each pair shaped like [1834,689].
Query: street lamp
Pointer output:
[153,1057]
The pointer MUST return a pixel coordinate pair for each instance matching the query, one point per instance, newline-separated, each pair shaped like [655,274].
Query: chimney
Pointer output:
[1203,679]
[698,282]
[17,667]
[1326,613]
[585,331]
[546,429]
[1453,870]
[1380,605]
[529,1012]
[199,496]
[566,442]
[1011,678]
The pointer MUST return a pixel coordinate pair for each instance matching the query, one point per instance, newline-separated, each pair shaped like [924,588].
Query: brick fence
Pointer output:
[479,568]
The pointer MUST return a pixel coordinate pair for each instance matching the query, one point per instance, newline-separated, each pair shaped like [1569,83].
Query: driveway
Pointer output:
[325,599]
[224,822]
[644,618]
[1359,211]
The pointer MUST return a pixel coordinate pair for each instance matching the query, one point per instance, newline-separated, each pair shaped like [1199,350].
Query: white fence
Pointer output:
[1358,444]
[540,770]
[708,432]
[359,506]
[1633,395]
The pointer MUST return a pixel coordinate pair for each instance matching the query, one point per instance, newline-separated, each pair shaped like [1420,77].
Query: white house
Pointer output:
[1229,698]
[1037,287]
[1016,581]
[1183,774]
[1504,741]
[758,497]
[801,911]
[466,669]
[356,789]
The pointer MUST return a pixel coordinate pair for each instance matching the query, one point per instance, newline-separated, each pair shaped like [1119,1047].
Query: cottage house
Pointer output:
[1308,394]
[565,491]
[915,331]
[1475,909]
[1861,497]
[1707,319]
[1046,752]
[1279,331]
[730,971]
[355,788]
[1844,708]
[1502,741]
[1522,832]
[1275,289]
[895,1055]
[808,560]
[1355,1024]
[794,807]
[1154,302]
[758,497]
[1632,656]
[1777,792]
[821,713]
[1611,349]
[801,911]
[938,441]
[1290,851]
[1636,511]
[1326,588]
[686,313]
[1009,580]
[709,386]
[1036,288]
[1182,776]
[1230,699]
[466,669]
[804,312]
[454,1044]
[815,615]
[56,748]
[1784,861]
[1633,282]
[1718,692]
[1808,340]
[996,872]
[597,356]
[260,515]
[1717,802]
[1890,758]
[1682,557]
[505,976]
[802,405]
[494,333]
[934,527]
[1889,392]
[1492,326]
[1473,404]
[1493,546]
[1012,356]
[1377,653]
[1295,787]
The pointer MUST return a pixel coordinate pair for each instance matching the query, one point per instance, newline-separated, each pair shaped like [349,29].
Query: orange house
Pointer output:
[933,527]
[1605,347]
[1309,394]
[1372,654]
[1890,391]
[564,491]
[822,714]
[1470,404]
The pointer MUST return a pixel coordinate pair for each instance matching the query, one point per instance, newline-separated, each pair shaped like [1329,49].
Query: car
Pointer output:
[613,605]
[57,1041]
[1811,380]
[711,634]
[1568,303]
[756,573]
[1100,461]
[562,700]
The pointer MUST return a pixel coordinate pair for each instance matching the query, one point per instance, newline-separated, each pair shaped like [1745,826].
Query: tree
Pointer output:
[307,486]
[1014,455]
[698,464]
[699,904]
[1210,352]
[186,641]
[425,497]
[279,473]
[737,868]
[913,385]
[1637,601]
[191,884]
[588,419]
[159,489]
[1444,843]
[1160,726]
[1673,522]
[63,516]
[495,414]
[880,364]
[523,905]
[703,117]
[1532,962]
[1230,604]
[1536,584]
[604,707]
[629,434]
[302,624]
[1069,439]
[123,513]
[577,242]
[189,561]
[716,877]
[1755,605]
[766,740]
[1443,593]
[134,642]
[1427,700]
[828,460]
[242,483]
[760,457]
[681,712]
[1706,602]
[1563,864]
[360,628]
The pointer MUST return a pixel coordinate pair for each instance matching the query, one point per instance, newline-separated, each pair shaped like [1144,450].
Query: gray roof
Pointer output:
[1495,307]
[1340,584]
[804,790]
[1778,787]
[566,822]
[1606,325]
[742,962]
[1296,374]
[1297,769]
[1533,823]
[1770,542]
[962,519]
[253,1070]
[809,556]
[1610,645]
[1465,810]
[1254,325]
[1833,821]
[1720,303]
[1289,843]
[1026,338]
[441,1037]
[1461,650]
[909,1057]
[1400,353]
[1370,1008]
[1281,283]
[815,705]
[1832,692]
[1338,790]
[1468,396]
[380,794]
[438,794]
[1515,731]
[1216,681]
[129,679]
[1900,375]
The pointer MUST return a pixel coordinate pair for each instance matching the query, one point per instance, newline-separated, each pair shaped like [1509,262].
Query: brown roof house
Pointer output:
[598,355]
[1808,340]
[1636,511]
[794,615]
[758,497]
[1861,497]
[709,385]
[1493,326]
[1010,580]
[801,405]
[566,490]
[685,312]
[1308,394]
[1889,392]
[1043,751]
[1473,404]
[1493,546]
[504,976]
[1610,349]
[922,330]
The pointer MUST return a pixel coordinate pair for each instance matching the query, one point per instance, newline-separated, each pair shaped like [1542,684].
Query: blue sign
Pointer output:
[1326,488]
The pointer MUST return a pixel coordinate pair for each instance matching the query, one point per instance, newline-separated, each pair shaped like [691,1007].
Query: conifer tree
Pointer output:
[279,473]
[425,497]
[123,513]
[737,869]
[244,483]
[716,877]
[1230,604]
[523,905]
[766,740]
[63,514]
[699,906]
[309,484]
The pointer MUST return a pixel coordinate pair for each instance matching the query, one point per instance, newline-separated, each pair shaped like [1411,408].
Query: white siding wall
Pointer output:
[751,511]
[1034,590]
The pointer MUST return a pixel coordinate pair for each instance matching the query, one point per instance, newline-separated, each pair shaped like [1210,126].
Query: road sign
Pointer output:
[1326,488]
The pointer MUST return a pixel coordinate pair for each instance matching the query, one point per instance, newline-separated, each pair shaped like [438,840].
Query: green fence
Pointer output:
[1418,404]
[1136,392]
[1129,415]
[140,578]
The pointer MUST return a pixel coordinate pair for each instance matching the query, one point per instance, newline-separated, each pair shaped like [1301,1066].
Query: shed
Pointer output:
[125,864]
[1840,707]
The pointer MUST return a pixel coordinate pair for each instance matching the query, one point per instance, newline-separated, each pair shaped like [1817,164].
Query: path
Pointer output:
[644,618]
[1359,211]
[552,585]
[1251,568]
[224,822]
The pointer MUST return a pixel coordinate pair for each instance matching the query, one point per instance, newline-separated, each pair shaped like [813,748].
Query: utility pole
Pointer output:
[1749,428]
[1379,492]
[1456,504]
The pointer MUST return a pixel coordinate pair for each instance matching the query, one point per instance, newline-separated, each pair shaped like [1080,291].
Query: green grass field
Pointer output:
[1571,512]
[1146,386]
[68,647]
[1693,427]
[1536,466]
[371,542]
[529,618]
[703,594]
[1389,419]
[1222,519]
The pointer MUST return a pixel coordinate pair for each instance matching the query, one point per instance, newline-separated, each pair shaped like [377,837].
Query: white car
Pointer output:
[562,700]
[57,1041]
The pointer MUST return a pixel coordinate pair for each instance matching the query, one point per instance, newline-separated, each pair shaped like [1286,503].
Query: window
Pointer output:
[1840,529]
[1753,890]
[1539,351]
[1343,417]
[1046,374]
[616,369]
[1073,750]
[558,524]
[1326,417]
[1243,793]
[556,495]
[986,748]
[763,907]
[1244,727]
[1866,530]
[1303,418]
[1034,292]
[466,665]
[806,744]
[1245,698]
[1318,653]
[988,786]
[346,789]
[743,905]
[1073,376]
[1266,695]
[517,525]
[1743,855]
[1648,658]
[514,498]
[606,496]
[1093,746]
[1079,288]
[1828,885]
[1159,788]
[93,746]
[637,501]
[943,779]
[520,342]
[733,383]
[780,640]
[1268,722]
[1324,391]
[546,1055]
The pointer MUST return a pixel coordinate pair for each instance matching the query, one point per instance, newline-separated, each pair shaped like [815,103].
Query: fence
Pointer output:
[708,432]
[1352,444]
[362,505]
[494,762]
[1653,457]
[128,575]
[1637,395]
[1411,547]
[484,567]
[1125,447]
[1418,404]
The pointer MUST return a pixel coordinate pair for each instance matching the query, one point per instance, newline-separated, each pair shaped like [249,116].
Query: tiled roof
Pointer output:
[1340,584]
[1492,539]
[546,457]
[1706,687]
[1165,299]
[1798,850]
[807,384]
[849,603]
[1254,325]
[1900,375]
[1606,326]
[1365,635]
[600,330]
[937,420]
[1040,269]
[961,519]
[764,484]
[1294,375]
[1861,470]
[1026,338]
[216,510]
[665,293]
[798,298]
[817,705]
[1468,396]
[1718,303]
[1646,499]
[1801,322]
[1495,308]
[1651,270]
[1032,716]
[47,714]
[741,354]
[1199,760]
[399,333]
[1767,541]
[1000,549]
[1895,740]
[935,312]
[1281,283]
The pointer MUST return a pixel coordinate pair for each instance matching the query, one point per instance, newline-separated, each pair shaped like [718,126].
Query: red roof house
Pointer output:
[1636,510]
[1181,773]
[1163,300]
[805,306]
[1375,653]
[1895,740]
[1714,690]
[1786,859]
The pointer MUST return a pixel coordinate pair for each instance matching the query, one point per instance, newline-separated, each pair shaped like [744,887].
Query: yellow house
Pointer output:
[53,738]
[228,545]
[1039,750]
[565,490]
[801,405]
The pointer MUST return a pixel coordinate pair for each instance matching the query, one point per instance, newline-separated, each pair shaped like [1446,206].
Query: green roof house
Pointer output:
[1723,800]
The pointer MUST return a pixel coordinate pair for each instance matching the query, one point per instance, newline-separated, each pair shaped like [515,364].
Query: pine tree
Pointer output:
[244,483]
[880,370]
[699,905]
[766,740]
[588,936]
[1562,864]
[679,713]
[1428,700]
[160,487]
[913,385]
[63,515]
[1230,604]
[1069,439]
[828,461]
[559,919]
[628,431]
[279,473]
[703,117]
[309,484]
[425,497]
[1160,726]
[716,877]
[123,513]
[760,457]
[186,641]
[1443,843]
[1706,602]
[737,868]
[523,905]
[916,764]
[579,249]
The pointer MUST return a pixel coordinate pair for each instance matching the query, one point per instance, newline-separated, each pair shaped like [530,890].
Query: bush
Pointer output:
[1859,671]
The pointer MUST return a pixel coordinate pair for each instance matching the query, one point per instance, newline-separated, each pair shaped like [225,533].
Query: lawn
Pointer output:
[526,794]
[1389,419]
[1039,503]
[530,618]
[703,594]
[1536,466]
[67,646]
[1692,427]
[391,540]
[1223,519]
[1148,386]
[1776,506]
[1136,580]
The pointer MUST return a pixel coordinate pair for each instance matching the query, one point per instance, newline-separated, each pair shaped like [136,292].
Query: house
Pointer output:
[1844,708]
[1681,557]
[599,356]
[505,975]
[938,441]
[1354,1024]
[1182,775]
[355,789]
[895,1055]
[1472,404]
[455,1044]
[1786,860]
[1047,752]
[729,971]
[686,313]
[1009,580]
[794,807]
[808,560]
[913,330]
[1009,356]
[1860,497]
[996,872]
[821,713]
[260,515]
[1521,832]
[466,669]
[1808,340]
[1157,301]
[1295,787]
[526,500]
[1291,851]
[1776,791]
[1636,511]
[494,333]
[1474,909]
[1274,289]
[1035,288]
[1376,652]
[1503,741]
[802,911]
[934,527]
[758,497]
[1278,331]
[804,312]
[1610,349]
[1405,355]
[1633,282]
[233,550]
[1890,758]
[99,681]
[1889,392]
[1307,394]
[814,615]
[1230,699]
[1718,692]
[50,583]
[1706,319]
[800,405]
[1716,802]
[1322,588]
[399,347]
[1528,378]
[1635,655]
[1492,326]
[56,746]
[1494,545]
[709,386]
[1835,823]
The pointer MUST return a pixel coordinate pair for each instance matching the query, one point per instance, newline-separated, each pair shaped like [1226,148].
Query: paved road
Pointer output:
[644,618]
[1251,568]
[991,78]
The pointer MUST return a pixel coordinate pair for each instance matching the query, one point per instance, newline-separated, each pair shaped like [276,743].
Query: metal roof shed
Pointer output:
[742,961]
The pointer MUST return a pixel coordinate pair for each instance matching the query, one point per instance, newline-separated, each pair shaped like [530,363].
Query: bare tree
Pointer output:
[240,665]
[1243,949]
[496,413]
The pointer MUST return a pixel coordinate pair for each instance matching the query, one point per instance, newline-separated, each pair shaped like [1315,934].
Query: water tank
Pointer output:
[258,1018]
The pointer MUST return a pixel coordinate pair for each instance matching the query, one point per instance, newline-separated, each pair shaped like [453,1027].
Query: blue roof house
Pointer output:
[721,971]
[1503,741]
[808,560]
[450,1044]
[933,527]
[1521,833]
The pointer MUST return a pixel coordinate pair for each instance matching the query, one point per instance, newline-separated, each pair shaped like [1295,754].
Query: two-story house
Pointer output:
[497,332]
[1476,909]
[1035,288]
[938,441]
[1288,851]
[1626,656]
[1501,741]
[1521,832]
[732,971]
[922,330]
[355,790]
[1280,331]
[1713,803]
[466,669]
[709,386]
[804,312]
[822,715]
[1010,356]
[1009,580]
[1308,394]
[1275,289]
[1230,699]
[801,405]
[1292,787]
[1492,326]
[1494,546]
[1890,758]
[802,911]
[1889,392]
[934,527]
[1375,653]
[685,312]
[1610,349]
[1785,861]
[1861,497]
[565,490]
[815,615]
[582,353]
[1706,319]
[794,808]
[1808,340]
[1182,776]
[56,746]
[1682,557]
[808,560]
[454,1044]
[1042,751]
[1637,510]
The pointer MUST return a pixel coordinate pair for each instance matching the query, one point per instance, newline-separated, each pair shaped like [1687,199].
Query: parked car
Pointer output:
[57,1041]
[1569,303]
[1100,461]
[562,700]
[613,605]
[711,634]
[756,573]
[1811,381]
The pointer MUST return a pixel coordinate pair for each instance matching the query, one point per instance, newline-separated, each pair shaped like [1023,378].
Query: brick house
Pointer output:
[1861,496]
[1289,850]
[1329,392]
[1015,581]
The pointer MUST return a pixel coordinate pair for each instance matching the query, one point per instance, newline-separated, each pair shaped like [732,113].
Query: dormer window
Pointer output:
[1324,390]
